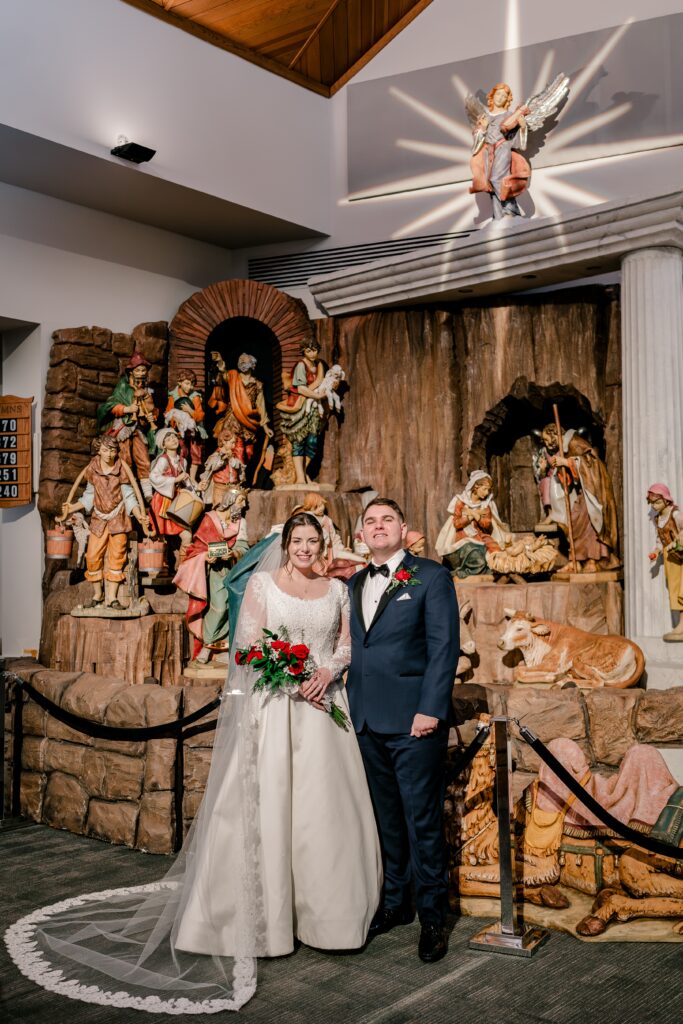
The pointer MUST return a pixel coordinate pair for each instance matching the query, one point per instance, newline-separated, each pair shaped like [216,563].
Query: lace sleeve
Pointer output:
[341,657]
[252,617]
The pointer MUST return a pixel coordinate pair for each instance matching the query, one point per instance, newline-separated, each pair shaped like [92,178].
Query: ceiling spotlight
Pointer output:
[132,151]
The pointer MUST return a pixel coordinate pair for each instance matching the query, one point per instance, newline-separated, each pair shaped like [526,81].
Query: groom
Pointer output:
[405,645]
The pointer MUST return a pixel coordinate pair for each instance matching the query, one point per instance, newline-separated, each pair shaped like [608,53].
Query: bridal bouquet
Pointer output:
[284,666]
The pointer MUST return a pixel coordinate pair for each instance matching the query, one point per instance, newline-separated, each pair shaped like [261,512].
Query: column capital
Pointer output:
[648,253]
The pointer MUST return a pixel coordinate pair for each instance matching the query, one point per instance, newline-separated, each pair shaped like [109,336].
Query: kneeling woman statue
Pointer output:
[474,529]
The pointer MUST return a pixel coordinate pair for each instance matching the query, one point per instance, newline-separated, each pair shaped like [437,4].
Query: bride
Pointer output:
[283,847]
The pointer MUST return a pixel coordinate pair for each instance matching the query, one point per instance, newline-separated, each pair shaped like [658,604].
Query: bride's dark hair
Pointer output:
[300,519]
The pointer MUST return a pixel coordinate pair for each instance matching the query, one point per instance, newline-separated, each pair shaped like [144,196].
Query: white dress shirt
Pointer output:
[374,586]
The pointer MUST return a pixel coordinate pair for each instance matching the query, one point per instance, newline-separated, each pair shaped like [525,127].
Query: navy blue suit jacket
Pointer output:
[405,662]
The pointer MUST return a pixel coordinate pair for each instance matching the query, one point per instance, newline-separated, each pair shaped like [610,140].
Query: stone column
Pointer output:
[652,361]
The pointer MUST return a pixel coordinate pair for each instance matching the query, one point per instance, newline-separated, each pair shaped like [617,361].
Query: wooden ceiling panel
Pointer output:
[320,44]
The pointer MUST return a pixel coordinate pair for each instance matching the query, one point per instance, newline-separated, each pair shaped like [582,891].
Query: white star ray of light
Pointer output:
[544,204]
[582,80]
[460,87]
[432,216]
[447,124]
[543,76]
[600,151]
[576,131]
[450,154]
[432,180]
[512,55]
[546,187]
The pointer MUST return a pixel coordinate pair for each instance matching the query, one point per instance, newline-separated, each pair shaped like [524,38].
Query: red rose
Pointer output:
[402,575]
[280,645]
[300,651]
[254,655]
[239,657]
[296,670]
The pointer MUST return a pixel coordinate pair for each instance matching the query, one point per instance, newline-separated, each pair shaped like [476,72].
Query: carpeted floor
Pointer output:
[567,982]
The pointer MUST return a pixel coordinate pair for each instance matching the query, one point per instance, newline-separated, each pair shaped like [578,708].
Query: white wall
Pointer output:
[21,549]
[81,72]
[64,266]
[50,222]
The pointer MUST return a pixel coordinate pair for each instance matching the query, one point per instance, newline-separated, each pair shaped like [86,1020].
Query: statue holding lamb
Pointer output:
[311,396]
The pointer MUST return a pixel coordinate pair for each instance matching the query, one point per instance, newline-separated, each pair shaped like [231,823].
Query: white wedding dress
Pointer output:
[320,859]
[284,846]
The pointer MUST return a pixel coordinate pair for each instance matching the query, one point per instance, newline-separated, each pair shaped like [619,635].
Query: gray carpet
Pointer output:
[567,982]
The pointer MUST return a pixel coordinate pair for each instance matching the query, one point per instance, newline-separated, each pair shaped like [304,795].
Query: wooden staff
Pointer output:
[565,488]
[138,497]
[74,487]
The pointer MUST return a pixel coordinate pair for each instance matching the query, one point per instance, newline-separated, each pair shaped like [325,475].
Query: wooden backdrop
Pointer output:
[436,393]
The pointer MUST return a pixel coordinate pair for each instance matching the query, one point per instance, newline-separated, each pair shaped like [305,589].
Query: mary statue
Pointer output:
[473,529]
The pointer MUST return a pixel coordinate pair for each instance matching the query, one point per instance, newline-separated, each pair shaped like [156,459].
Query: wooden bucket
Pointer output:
[151,556]
[186,508]
[59,543]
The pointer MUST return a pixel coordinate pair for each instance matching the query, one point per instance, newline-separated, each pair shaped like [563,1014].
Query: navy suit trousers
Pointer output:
[406,780]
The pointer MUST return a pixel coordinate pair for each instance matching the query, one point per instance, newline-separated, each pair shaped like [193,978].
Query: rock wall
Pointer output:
[118,791]
[85,364]
[604,723]
[123,792]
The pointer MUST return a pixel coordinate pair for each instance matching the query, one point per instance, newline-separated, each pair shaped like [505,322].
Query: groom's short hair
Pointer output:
[389,502]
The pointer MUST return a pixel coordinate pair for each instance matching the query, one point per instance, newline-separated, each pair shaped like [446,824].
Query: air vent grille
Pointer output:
[294,269]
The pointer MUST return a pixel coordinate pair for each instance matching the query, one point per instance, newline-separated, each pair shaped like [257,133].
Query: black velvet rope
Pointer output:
[592,805]
[454,767]
[113,732]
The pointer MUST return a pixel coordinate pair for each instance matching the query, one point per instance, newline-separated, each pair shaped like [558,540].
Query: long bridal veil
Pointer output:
[118,947]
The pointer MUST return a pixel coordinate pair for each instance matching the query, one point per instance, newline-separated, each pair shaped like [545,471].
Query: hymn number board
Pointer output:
[15,451]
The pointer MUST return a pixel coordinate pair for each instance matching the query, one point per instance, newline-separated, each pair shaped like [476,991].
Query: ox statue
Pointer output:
[555,653]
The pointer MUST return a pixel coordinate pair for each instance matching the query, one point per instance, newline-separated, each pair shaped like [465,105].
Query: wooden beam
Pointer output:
[223,43]
[328,14]
[398,27]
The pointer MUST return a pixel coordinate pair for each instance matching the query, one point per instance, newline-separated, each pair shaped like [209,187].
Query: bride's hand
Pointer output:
[313,689]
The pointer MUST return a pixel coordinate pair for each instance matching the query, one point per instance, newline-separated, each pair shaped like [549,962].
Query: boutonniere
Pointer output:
[405,576]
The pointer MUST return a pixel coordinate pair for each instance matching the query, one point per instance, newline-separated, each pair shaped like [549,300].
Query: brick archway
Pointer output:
[202,312]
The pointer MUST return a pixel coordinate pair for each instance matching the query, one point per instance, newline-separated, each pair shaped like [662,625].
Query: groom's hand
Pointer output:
[423,725]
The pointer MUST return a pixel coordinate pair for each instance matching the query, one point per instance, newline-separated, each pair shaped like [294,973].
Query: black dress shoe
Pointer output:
[433,944]
[388,918]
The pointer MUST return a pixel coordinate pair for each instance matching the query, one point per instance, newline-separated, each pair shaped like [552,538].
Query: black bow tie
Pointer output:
[383,570]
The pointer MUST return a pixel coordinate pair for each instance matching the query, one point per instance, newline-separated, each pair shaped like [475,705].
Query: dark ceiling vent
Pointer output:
[293,270]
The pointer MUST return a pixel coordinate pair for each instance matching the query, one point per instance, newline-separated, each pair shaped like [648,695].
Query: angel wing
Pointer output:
[474,109]
[544,104]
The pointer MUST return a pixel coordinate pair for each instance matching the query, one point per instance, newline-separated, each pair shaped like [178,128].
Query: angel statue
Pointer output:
[497,164]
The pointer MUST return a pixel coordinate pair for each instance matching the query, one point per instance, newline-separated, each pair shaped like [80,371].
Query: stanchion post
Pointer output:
[506,935]
[17,747]
[10,818]
[179,780]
